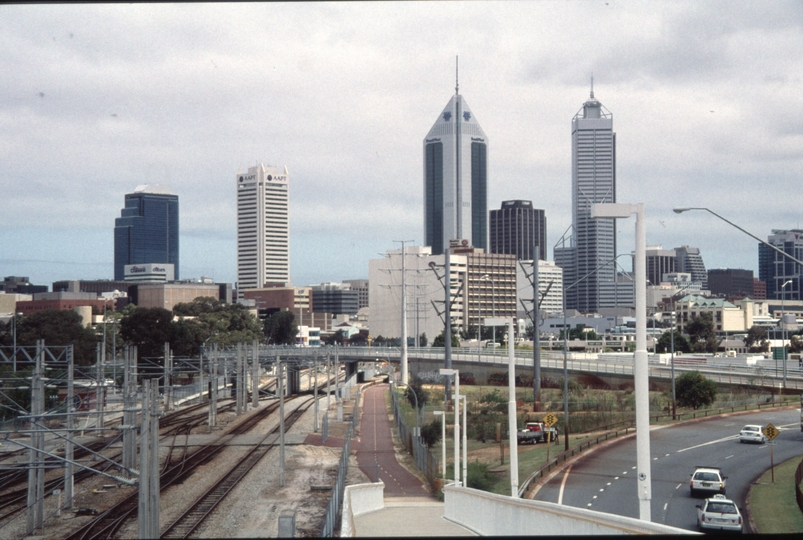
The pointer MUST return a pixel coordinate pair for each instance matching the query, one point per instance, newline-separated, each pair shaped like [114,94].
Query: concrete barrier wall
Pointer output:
[488,514]
[360,499]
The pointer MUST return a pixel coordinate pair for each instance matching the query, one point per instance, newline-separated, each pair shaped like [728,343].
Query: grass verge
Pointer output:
[773,505]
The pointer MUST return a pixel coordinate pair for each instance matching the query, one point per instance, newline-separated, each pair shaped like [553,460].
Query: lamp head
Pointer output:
[680,210]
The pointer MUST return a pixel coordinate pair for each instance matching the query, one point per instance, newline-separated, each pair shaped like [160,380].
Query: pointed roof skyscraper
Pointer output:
[455,178]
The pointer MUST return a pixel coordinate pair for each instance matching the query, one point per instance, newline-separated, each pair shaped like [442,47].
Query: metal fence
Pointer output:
[332,516]
[798,479]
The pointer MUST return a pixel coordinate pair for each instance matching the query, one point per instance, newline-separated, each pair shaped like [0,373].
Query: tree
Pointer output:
[431,433]
[148,329]
[281,328]
[421,395]
[664,344]
[695,390]
[795,344]
[57,327]
[702,335]
[757,339]
[422,339]
[439,339]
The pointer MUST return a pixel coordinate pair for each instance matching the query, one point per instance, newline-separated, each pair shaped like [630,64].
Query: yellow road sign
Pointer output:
[771,431]
[550,419]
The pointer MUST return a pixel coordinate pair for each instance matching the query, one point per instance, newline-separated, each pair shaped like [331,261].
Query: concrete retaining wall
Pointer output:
[488,514]
[360,499]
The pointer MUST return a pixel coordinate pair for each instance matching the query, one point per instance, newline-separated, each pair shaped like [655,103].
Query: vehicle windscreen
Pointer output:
[721,508]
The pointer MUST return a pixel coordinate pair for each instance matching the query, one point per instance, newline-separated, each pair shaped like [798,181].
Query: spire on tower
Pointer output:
[456,78]
[592,85]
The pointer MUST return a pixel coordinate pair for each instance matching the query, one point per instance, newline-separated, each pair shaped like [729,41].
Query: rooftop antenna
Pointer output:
[592,85]
[456,78]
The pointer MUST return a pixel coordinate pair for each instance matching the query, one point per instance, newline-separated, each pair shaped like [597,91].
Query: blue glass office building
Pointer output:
[147,229]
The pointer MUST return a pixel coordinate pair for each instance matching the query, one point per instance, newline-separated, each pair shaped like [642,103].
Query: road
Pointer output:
[605,480]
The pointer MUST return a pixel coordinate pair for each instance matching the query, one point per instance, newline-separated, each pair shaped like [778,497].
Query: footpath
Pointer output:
[410,510]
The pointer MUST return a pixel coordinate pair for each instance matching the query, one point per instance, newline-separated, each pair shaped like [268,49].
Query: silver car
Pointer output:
[752,433]
[719,513]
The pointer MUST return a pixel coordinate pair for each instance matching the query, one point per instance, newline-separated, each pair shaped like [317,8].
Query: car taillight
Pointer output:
[740,520]
[702,518]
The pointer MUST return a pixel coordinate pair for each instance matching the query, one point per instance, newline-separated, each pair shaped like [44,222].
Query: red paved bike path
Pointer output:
[375,454]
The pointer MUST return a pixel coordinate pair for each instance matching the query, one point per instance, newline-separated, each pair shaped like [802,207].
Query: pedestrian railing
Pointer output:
[334,508]
[415,446]
[798,479]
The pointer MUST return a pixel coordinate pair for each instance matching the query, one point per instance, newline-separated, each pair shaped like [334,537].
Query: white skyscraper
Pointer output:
[263,227]
[590,256]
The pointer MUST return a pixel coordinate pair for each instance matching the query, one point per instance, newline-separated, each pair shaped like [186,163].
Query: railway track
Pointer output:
[106,524]
[188,522]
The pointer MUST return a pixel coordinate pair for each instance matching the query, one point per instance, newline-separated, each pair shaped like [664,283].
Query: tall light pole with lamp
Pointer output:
[640,358]
[442,414]
[486,277]
[753,236]
[783,332]
[448,372]
[566,349]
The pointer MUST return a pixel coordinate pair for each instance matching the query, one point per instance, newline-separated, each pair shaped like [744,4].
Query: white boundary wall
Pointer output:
[360,499]
[489,514]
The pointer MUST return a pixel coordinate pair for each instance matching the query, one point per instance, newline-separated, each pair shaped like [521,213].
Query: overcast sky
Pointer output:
[97,99]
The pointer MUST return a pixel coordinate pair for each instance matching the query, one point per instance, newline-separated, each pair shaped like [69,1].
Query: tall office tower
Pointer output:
[516,228]
[659,262]
[455,179]
[593,245]
[263,227]
[147,229]
[731,282]
[689,260]
[774,269]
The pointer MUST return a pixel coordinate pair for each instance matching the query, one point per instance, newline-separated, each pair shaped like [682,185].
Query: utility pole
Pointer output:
[129,408]
[281,423]
[255,375]
[168,378]
[403,359]
[238,402]
[213,384]
[148,511]
[36,471]
[69,482]
[315,393]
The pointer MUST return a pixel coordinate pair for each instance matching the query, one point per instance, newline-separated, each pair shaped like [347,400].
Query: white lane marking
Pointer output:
[728,457]
[678,486]
[732,437]
[563,484]
[624,472]
[608,484]
[594,497]
[601,490]
[665,505]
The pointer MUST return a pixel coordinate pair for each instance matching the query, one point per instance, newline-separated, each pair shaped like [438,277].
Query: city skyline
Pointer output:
[103,98]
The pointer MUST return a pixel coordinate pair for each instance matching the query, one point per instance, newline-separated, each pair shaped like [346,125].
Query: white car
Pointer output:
[752,433]
[708,479]
[719,513]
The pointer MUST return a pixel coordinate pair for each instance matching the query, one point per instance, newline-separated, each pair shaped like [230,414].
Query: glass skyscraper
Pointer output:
[147,229]
[455,179]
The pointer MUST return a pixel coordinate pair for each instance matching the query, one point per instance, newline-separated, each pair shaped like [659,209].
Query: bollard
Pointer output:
[287,524]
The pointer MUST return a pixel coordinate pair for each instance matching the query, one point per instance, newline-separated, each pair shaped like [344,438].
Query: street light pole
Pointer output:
[486,277]
[783,330]
[456,374]
[640,357]
[442,414]
[751,235]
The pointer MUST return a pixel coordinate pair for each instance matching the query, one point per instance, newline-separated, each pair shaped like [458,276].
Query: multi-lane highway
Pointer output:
[605,480]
